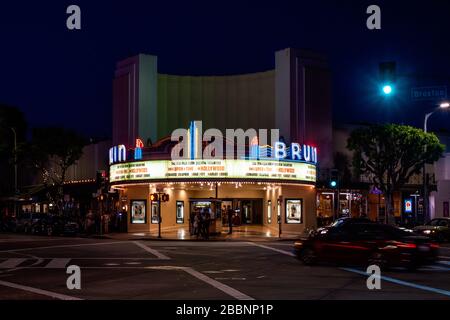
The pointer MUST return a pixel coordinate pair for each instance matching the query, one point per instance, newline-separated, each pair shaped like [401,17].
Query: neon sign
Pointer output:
[117,154]
[191,140]
[138,149]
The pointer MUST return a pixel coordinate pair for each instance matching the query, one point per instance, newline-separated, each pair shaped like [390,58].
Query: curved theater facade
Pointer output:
[262,187]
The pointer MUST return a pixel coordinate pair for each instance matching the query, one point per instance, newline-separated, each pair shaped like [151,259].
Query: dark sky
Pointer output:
[63,77]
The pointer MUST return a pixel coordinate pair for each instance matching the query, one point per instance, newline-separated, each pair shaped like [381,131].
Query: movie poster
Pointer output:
[293,210]
[138,211]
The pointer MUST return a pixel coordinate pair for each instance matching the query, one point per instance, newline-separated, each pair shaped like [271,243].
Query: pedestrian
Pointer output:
[196,225]
[192,221]
[206,223]
[230,219]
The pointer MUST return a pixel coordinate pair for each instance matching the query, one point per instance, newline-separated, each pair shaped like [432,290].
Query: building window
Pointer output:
[155,211]
[294,212]
[269,211]
[138,211]
[180,212]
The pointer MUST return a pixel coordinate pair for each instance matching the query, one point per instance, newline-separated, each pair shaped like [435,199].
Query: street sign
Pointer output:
[429,93]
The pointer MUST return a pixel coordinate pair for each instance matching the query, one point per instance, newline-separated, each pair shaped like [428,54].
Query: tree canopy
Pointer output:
[391,154]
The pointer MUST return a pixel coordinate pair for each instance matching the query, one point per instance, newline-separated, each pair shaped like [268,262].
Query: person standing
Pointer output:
[206,223]
[230,219]
[196,225]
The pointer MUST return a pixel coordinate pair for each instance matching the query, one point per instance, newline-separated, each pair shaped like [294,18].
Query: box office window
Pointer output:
[138,211]
[180,212]
[294,211]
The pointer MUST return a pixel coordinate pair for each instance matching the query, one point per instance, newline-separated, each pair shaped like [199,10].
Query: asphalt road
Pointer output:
[34,267]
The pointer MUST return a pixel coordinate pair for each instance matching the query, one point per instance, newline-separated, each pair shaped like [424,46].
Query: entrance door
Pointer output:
[250,211]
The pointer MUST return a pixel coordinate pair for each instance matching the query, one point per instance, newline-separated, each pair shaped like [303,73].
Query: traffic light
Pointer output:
[165,197]
[154,197]
[334,178]
[387,77]
[100,179]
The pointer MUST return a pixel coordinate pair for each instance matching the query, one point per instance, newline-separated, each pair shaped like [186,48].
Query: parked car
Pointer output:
[365,243]
[24,221]
[8,224]
[56,225]
[438,229]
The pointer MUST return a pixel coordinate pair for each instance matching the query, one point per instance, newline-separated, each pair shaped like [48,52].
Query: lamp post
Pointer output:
[442,105]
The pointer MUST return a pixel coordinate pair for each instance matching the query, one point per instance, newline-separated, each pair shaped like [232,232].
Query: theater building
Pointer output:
[264,187]
[294,97]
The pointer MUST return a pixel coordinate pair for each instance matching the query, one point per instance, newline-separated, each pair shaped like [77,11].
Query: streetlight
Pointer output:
[442,105]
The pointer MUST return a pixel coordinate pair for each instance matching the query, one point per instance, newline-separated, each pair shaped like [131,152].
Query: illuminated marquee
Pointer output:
[213,169]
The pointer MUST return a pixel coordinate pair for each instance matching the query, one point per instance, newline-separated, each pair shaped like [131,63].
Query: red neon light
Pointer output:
[139,143]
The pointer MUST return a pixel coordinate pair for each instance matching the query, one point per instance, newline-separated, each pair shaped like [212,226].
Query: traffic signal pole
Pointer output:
[159,217]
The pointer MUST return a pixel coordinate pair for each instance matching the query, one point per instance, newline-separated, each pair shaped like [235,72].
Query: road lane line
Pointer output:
[12,263]
[38,291]
[219,285]
[58,263]
[273,249]
[403,283]
[444,262]
[152,251]
[64,246]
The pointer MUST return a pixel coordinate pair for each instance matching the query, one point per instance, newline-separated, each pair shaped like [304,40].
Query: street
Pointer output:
[34,267]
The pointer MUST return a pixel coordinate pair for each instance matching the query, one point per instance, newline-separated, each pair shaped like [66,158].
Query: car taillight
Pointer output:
[434,245]
[407,245]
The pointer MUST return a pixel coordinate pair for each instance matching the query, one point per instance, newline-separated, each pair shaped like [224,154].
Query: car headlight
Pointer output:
[427,231]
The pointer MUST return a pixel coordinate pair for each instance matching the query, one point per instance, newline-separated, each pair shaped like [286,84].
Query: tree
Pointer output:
[342,165]
[391,154]
[53,151]
[12,122]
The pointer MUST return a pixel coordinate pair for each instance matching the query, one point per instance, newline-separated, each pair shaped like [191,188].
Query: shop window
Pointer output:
[180,212]
[269,211]
[294,213]
[138,211]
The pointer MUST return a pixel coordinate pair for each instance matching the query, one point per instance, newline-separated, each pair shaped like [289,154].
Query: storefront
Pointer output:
[259,191]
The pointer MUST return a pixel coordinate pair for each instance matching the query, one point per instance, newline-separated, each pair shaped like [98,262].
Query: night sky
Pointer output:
[63,77]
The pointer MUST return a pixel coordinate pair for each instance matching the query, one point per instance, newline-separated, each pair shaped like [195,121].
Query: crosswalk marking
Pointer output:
[11,263]
[58,263]
[152,251]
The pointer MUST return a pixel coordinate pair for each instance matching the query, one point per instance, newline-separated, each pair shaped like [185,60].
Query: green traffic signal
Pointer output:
[387,89]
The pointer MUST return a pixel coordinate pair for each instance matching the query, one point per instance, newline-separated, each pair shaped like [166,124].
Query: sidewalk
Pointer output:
[241,233]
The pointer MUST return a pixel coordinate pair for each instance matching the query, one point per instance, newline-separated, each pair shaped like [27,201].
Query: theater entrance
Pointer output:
[245,211]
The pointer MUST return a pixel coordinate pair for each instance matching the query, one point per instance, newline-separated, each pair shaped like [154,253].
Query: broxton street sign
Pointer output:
[429,93]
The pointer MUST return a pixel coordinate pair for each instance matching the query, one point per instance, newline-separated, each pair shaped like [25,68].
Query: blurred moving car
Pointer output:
[356,242]
[438,229]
